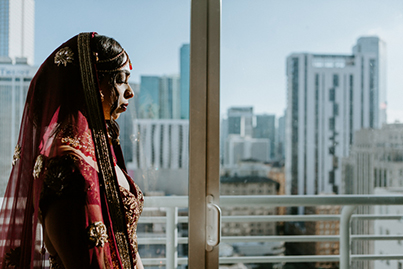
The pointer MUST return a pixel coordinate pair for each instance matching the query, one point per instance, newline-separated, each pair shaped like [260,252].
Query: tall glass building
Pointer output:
[159,97]
[266,128]
[149,97]
[17,29]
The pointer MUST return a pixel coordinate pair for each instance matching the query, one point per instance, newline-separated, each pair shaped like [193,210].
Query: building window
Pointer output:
[332,95]
[351,109]
[335,109]
[336,80]
[331,124]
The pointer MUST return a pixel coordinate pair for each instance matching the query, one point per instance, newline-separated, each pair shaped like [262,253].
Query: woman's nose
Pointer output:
[129,93]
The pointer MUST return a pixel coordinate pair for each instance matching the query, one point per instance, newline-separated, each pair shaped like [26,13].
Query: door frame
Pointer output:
[204,129]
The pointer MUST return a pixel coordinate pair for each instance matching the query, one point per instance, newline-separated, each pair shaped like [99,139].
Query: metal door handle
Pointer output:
[213,226]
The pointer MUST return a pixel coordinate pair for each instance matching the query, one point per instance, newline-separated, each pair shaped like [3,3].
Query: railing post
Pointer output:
[344,247]
[172,238]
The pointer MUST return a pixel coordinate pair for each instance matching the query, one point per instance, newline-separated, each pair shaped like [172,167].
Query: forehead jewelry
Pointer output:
[111,59]
[117,69]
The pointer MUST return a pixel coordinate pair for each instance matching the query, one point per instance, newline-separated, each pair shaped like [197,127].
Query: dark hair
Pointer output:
[106,49]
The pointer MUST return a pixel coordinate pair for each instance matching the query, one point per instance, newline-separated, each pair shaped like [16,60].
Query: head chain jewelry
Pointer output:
[117,69]
[111,59]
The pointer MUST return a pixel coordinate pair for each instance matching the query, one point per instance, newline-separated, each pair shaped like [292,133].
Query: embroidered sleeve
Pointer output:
[59,172]
[62,179]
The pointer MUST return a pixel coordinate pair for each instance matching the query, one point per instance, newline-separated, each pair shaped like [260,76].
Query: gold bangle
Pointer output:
[97,234]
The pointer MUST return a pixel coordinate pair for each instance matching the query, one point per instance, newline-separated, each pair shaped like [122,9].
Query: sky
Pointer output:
[257,36]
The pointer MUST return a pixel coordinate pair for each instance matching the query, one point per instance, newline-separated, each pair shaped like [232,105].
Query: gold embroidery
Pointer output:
[133,204]
[133,207]
[124,253]
[82,142]
[38,166]
[97,234]
[64,56]
[17,154]
[58,176]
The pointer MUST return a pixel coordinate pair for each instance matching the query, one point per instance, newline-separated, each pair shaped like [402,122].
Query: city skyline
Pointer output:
[261,36]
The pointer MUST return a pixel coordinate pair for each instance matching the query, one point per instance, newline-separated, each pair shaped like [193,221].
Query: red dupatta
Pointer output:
[65,87]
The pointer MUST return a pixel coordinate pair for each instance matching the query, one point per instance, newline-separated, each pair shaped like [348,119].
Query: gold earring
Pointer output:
[102,96]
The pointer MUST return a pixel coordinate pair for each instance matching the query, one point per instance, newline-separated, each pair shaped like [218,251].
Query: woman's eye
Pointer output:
[120,80]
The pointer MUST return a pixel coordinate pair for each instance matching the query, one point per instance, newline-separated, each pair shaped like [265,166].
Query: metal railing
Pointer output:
[349,203]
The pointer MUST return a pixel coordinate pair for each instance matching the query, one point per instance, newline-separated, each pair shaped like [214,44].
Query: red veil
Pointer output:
[65,87]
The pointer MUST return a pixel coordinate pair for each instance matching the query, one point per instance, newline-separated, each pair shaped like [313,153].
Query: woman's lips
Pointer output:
[123,107]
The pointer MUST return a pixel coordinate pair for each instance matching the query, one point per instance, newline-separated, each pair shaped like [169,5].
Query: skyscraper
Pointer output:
[17,30]
[329,97]
[149,97]
[184,80]
[169,97]
[238,138]
[280,141]
[240,121]
[159,97]
[266,128]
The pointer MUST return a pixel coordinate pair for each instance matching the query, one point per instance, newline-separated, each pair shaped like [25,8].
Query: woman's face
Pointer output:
[123,92]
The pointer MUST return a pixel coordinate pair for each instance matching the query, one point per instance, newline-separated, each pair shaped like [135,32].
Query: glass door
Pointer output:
[303,91]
